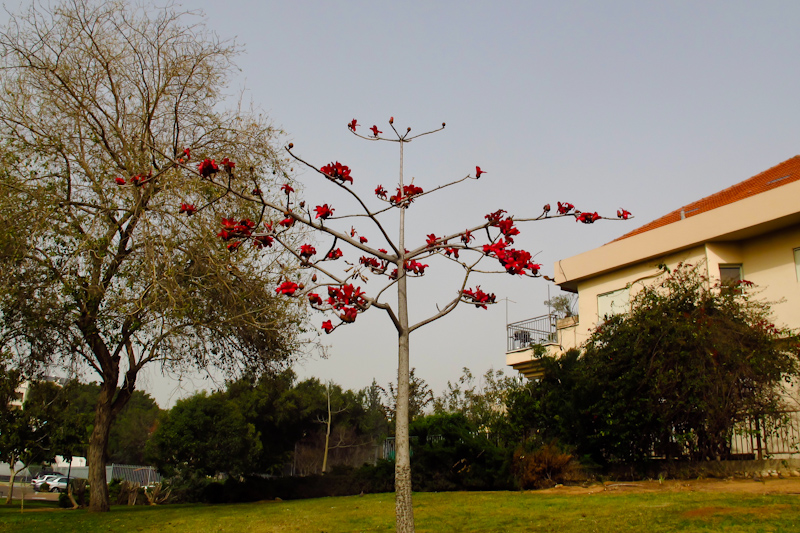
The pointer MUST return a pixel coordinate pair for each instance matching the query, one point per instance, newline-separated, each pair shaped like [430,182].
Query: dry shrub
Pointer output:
[545,467]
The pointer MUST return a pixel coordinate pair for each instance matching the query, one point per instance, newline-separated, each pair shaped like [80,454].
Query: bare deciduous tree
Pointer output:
[108,253]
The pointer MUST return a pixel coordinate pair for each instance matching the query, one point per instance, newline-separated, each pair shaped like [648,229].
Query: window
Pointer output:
[797,262]
[613,303]
[730,276]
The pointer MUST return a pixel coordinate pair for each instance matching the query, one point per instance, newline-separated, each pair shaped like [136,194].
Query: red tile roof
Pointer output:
[779,175]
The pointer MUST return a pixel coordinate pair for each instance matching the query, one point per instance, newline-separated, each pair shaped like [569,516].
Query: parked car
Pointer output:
[37,483]
[59,484]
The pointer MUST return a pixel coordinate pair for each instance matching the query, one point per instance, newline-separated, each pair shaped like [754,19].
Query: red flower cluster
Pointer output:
[348,300]
[262,240]
[407,194]
[506,225]
[307,251]
[514,261]
[288,288]
[565,208]
[207,168]
[373,263]
[323,211]
[587,218]
[334,254]
[189,209]
[233,230]
[478,297]
[415,267]
[352,125]
[375,131]
[337,171]
[623,214]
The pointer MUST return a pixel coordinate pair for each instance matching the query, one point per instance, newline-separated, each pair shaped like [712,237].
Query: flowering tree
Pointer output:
[334,289]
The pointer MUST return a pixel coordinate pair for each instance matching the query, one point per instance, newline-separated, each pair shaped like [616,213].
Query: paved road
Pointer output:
[25,488]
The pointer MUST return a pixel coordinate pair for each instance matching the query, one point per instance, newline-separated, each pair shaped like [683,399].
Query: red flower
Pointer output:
[478,172]
[327,326]
[349,314]
[363,240]
[288,288]
[448,251]
[375,131]
[383,251]
[232,247]
[307,251]
[565,208]
[380,192]
[407,194]
[466,237]
[431,240]
[415,267]
[337,171]
[224,235]
[187,153]
[587,218]
[189,209]
[494,218]
[120,181]
[287,222]
[478,297]
[623,214]
[546,208]
[228,223]
[262,240]
[207,168]
[228,164]
[323,211]
[314,299]
[257,191]
[334,254]
[352,125]
[287,188]
[138,179]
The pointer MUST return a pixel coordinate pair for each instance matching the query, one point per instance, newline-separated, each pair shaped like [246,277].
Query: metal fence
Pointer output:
[526,333]
[761,439]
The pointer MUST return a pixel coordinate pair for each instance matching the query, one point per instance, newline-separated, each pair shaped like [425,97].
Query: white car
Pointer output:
[59,484]
[36,483]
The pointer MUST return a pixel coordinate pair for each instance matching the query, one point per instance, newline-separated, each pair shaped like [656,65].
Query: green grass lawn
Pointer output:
[438,513]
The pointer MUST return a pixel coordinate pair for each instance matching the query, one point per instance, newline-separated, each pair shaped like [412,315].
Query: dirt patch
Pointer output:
[748,486]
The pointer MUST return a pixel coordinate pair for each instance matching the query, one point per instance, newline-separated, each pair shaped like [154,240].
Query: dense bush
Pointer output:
[545,467]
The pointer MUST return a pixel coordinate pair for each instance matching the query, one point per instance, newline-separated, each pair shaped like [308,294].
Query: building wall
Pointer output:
[766,260]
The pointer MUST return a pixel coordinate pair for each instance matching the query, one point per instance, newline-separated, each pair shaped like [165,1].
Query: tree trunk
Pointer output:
[404,510]
[98,444]
[12,464]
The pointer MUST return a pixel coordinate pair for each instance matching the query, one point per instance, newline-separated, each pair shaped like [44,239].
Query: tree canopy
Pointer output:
[672,378]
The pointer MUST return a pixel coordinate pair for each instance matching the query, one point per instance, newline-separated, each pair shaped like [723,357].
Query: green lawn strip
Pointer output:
[441,513]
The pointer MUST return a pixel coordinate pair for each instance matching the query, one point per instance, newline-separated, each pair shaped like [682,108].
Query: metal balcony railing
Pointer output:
[539,330]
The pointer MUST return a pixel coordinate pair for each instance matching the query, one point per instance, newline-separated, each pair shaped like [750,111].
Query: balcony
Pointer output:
[524,337]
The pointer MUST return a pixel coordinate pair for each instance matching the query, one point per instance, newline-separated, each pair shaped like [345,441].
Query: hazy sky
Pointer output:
[641,105]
